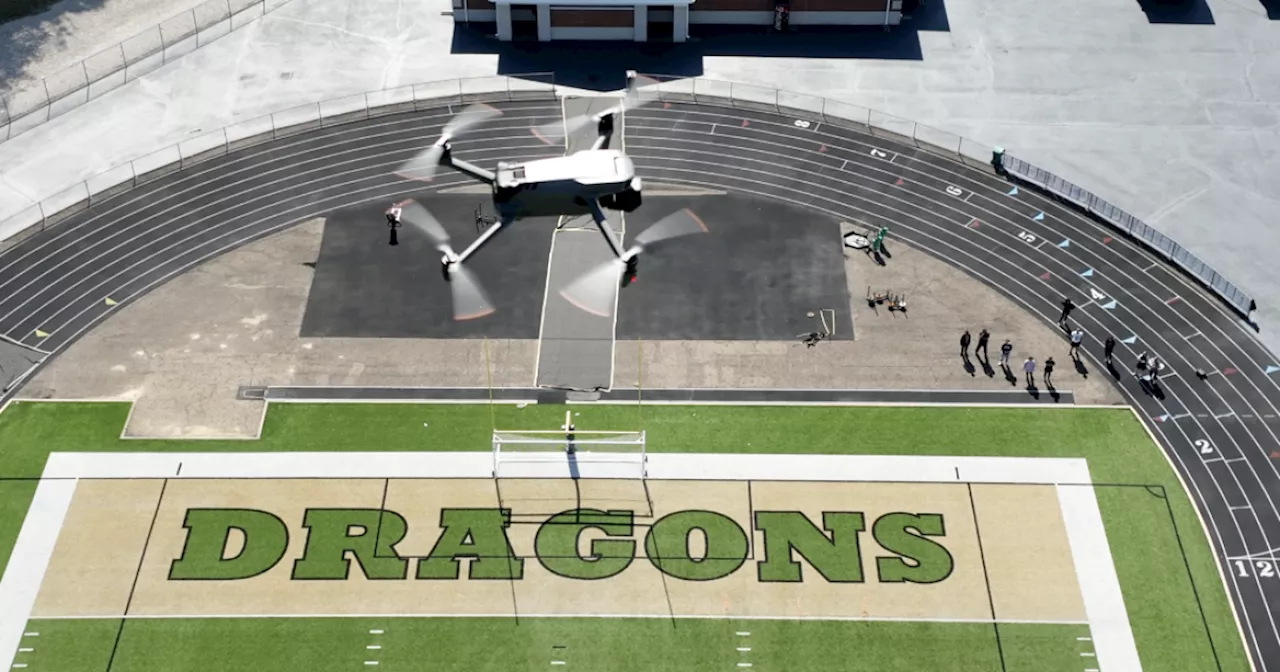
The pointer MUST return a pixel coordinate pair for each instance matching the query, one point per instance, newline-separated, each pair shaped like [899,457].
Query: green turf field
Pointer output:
[1178,610]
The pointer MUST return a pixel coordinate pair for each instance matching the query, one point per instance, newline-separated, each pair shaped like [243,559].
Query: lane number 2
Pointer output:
[1205,447]
[1028,238]
[1266,569]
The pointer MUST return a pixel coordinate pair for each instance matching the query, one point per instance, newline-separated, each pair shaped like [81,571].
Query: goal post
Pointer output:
[607,454]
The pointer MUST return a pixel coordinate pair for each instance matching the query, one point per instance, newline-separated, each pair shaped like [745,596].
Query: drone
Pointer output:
[585,182]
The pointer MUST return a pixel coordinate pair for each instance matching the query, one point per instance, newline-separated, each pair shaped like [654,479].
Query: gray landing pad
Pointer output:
[509,394]
[576,347]
[15,361]
[754,277]
[365,288]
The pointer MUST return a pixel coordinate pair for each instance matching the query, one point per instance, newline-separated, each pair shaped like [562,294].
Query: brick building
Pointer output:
[660,20]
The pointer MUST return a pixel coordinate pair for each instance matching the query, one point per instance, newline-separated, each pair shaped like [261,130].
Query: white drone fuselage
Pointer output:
[567,185]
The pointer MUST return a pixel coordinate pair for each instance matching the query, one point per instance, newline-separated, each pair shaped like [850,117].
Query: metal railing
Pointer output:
[68,202]
[111,68]
[1135,229]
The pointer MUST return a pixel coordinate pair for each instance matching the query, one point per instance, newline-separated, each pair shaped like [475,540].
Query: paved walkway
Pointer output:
[1176,123]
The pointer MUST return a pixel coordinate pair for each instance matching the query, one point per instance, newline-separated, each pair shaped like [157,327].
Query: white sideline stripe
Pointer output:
[662,466]
[668,615]
[1099,584]
[30,557]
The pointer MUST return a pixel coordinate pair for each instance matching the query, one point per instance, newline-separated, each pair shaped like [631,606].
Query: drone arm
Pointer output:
[603,224]
[469,168]
[484,238]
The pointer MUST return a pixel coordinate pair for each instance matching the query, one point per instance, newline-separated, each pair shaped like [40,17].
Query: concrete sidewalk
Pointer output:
[1175,123]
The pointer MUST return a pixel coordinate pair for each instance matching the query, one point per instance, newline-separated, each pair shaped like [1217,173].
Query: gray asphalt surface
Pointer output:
[1219,432]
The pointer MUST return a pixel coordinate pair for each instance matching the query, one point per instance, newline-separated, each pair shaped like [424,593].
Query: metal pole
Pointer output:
[493,414]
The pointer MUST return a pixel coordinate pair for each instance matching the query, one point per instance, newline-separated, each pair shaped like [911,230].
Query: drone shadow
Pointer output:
[602,65]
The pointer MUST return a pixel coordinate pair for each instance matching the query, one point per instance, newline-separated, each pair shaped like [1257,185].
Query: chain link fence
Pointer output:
[541,86]
[111,68]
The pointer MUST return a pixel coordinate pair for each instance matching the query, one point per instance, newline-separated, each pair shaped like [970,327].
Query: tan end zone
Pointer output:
[1024,555]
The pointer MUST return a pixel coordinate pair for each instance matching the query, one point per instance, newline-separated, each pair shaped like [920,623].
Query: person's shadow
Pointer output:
[1033,391]
[1009,375]
[968,365]
[986,365]
[1115,373]
[1080,367]
[1053,392]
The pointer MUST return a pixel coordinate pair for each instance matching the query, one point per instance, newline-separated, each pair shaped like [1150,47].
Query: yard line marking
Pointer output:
[744,648]
[25,650]
[744,634]
[744,664]
[30,634]
[19,665]
[370,662]
[1084,639]
[375,632]
[557,662]
[373,646]
[1088,654]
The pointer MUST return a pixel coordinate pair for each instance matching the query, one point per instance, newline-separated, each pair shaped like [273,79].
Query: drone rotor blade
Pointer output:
[471,116]
[469,298]
[596,291]
[677,224]
[554,132]
[421,219]
[423,166]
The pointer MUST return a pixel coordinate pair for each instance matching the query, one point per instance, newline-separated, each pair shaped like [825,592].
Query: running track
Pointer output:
[1220,432]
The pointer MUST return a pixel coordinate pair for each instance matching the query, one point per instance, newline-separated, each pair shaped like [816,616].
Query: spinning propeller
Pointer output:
[554,132]
[423,166]
[469,298]
[596,290]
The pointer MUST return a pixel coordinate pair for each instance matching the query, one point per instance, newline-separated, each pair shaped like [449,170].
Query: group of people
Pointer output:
[1029,365]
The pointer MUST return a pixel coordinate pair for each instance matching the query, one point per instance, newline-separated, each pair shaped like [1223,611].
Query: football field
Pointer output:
[280,554]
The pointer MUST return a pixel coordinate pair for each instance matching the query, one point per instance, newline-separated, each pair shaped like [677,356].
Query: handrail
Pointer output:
[113,67]
[68,202]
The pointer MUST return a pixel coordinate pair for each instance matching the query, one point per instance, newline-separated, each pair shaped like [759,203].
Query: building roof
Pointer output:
[595,4]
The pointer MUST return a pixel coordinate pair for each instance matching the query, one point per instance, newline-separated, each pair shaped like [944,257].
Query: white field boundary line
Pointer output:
[662,466]
[141,617]
[20,584]
[1204,529]
[1099,584]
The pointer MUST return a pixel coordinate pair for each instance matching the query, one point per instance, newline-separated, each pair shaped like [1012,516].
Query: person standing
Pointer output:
[393,221]
[1108,348]
[964,345]
[1077,337]
[1029,368]
[1005,351]
[1048,372]
[1067,306]
[983,337]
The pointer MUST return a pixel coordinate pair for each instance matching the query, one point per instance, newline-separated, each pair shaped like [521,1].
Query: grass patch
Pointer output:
[500,644]
[1154,577]
[1033,647]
